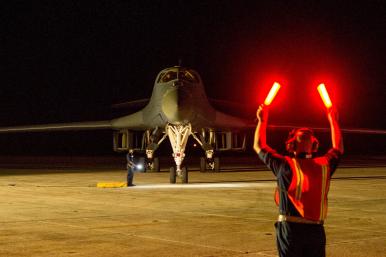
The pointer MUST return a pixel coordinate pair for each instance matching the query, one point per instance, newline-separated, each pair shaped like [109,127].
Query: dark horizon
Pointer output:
[71,61]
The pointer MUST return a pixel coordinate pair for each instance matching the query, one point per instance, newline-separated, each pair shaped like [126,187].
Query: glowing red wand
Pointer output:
[324,95]
[272,93]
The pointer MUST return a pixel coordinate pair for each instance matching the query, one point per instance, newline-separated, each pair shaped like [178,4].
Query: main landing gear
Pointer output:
[153,139]
[209,164]
[152,165]
[207,140]
[144,165]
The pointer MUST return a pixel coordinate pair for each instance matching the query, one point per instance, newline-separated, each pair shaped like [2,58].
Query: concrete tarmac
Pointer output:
[60,212]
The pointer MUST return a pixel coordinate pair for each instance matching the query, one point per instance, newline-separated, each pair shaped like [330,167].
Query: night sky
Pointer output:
[71,60]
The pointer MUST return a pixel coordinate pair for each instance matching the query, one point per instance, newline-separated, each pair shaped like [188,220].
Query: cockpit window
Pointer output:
[168,76]
[188,76]
[184,75]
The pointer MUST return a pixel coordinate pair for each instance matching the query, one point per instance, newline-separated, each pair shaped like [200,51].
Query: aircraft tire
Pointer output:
[172,175]
[184,177]
[202,164]
[156,164]
[156,167]
[216,164]
[153,166]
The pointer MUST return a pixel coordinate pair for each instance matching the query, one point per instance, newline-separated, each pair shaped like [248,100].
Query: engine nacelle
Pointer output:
[124,139]
[230,141]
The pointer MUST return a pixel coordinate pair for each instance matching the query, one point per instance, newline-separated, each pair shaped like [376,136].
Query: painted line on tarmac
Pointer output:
[179,243]
[154,238]
[355,228]
[358,240]
[202,186]
[270,253]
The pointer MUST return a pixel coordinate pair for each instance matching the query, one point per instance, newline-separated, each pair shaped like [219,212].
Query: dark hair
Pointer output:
[291,140]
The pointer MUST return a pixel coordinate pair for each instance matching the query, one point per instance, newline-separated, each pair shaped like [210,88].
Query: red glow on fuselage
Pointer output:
[324,95]
[272,93]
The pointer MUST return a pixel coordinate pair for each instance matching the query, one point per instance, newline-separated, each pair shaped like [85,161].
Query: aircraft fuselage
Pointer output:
[178,98]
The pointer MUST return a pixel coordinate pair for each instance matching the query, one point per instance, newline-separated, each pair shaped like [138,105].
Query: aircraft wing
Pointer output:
[88,125]
[132,121]
[226,121]
[225,104]
[136,104]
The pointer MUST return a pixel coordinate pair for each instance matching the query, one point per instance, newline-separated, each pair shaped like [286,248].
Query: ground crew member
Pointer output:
[302,186]
[130,168]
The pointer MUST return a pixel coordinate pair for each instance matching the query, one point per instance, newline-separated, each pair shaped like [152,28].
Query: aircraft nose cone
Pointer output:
[177,105]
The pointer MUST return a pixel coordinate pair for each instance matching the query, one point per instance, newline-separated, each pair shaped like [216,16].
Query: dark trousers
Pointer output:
[300,240]
[130,176]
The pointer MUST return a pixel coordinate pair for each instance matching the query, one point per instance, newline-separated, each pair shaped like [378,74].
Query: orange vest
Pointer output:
[309,187]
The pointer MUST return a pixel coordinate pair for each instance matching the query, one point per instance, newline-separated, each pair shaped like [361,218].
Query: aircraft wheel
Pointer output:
[156,167]
[216,164]
[153,166]
[172,175]
[184,177]
[202,164]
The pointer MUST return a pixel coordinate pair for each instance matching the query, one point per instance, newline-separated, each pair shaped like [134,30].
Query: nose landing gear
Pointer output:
[183,174]
[178,136]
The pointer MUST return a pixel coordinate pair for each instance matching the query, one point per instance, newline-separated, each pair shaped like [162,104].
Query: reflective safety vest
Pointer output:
[309,187]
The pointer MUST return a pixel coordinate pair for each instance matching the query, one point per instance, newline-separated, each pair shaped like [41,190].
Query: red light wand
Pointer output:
[272,93]
[324,95]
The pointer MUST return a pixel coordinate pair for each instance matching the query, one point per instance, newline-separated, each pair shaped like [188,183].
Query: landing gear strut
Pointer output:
[152,140]
[207,141]
[178,136]
[212,164]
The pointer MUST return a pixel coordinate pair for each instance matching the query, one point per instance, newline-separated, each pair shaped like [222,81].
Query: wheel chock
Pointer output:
[111,184]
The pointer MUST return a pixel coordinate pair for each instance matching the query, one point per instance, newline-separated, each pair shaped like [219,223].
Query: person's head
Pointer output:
[302,140]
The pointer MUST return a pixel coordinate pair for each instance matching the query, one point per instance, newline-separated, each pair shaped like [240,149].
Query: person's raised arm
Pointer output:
[336,134]
[260,140]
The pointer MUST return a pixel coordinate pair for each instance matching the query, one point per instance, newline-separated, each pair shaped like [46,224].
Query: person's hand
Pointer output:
[262,113]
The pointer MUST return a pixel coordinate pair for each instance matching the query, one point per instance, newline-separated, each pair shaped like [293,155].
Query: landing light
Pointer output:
[272,93]
[324,95]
